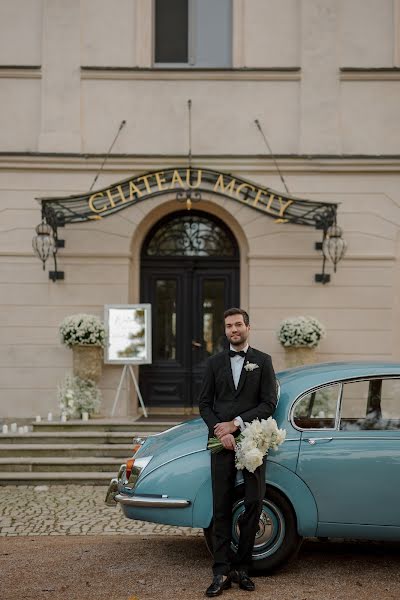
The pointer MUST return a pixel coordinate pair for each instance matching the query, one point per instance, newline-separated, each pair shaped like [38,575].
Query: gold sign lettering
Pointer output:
[176,179]
[242,186]
[283,206]
[160,180]
[119,194]
[225,189]
[145,178]
[91,202]
[188,179]
[133,189]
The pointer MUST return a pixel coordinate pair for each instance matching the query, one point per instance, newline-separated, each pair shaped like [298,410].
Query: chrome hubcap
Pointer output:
[271,529]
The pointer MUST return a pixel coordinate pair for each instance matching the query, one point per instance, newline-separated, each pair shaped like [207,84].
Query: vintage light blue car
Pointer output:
[336,475]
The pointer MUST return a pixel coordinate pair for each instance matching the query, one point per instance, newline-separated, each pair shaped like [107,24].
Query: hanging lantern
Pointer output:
[43,242]
[334,246]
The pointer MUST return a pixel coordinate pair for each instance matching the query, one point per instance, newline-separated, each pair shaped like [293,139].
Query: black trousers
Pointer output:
[223,474]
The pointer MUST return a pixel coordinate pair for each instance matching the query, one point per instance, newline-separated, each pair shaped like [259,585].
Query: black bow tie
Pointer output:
[233,353]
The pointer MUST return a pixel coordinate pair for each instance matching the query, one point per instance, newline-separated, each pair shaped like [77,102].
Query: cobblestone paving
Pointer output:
[70,510]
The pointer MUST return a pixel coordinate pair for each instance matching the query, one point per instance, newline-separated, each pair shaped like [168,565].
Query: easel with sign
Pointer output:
[128,367]
[128,328]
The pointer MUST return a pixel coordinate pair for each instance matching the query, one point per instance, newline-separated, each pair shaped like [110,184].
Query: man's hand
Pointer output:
[228,441]
[224,428]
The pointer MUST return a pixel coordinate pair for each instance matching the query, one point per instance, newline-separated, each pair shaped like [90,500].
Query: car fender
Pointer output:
[281,478]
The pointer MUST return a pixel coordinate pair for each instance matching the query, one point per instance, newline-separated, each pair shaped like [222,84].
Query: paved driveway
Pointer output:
[63,544]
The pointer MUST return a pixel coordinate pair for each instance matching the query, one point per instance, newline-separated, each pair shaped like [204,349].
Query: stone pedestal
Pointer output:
[295,356]
[87,361]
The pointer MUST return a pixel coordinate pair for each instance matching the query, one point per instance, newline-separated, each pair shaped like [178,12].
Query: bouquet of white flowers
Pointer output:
[301,332]
[253,443]
[87,330]
[78,395]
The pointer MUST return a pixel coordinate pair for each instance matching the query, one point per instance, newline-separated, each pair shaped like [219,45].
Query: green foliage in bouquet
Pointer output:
[78,395]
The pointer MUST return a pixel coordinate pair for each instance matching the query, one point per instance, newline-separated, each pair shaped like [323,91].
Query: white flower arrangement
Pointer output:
[251,366]
[301,331]
[78,395]
[82,329]
[254,442]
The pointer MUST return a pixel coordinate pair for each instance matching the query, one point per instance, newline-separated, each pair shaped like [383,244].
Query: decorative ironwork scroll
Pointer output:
[284,208]
[190,235]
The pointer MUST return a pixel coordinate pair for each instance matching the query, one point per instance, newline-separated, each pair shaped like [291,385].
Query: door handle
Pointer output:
[313,441]
[196,344]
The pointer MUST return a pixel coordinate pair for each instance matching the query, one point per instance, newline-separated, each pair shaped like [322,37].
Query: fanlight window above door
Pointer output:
[190,235]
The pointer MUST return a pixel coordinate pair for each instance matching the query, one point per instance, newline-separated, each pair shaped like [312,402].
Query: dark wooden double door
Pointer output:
[188,297]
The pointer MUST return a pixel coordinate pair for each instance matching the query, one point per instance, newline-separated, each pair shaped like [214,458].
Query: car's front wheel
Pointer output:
[277,540]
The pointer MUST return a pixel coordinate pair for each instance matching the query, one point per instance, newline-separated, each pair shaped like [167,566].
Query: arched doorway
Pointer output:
[190,275]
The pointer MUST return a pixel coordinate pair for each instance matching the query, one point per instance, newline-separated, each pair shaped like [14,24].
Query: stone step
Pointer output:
[76,437]
[51,464]
[105,425]
[61,477]
[66,450]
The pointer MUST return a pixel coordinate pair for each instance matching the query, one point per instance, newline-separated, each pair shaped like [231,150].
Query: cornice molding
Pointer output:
[20,72]
[228,163]
[372,74]
[118,73]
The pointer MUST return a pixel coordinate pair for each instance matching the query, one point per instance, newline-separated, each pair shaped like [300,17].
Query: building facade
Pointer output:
[322,77]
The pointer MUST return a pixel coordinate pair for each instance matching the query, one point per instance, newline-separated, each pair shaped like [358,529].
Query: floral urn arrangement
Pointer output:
[300,337]
[85,334]
[78,396]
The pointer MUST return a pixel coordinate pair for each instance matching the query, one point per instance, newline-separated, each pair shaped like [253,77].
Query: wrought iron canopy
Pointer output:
[284,208]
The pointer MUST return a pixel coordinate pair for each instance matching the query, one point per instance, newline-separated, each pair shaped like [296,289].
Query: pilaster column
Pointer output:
[60,103]
[320,84]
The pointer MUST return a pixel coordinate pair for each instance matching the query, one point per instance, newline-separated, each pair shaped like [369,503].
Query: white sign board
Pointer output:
[128,331]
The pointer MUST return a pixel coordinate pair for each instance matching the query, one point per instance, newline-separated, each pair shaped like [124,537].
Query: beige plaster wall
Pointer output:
[108,33]
[21,32]
[367,33]
[222,115]
[313,111]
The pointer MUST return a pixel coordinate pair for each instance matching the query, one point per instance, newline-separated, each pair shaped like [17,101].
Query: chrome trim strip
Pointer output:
[151,502]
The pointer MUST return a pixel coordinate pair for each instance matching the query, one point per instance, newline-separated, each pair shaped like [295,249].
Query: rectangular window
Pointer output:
[165,318]
[373,404]
[193,33]
[171,31]
[317,410]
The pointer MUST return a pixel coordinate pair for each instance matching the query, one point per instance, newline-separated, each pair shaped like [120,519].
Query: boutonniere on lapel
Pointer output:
[251,366]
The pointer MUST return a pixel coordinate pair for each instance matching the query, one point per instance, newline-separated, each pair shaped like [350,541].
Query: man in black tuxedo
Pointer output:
[230,396]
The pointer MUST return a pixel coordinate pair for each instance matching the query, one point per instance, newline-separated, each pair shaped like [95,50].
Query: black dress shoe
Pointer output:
[218,586]
[244,581]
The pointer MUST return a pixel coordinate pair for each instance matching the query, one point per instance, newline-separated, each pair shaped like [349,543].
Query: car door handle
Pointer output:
[313,441]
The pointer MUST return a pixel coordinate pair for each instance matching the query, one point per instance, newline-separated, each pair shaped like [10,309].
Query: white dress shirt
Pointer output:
[237,366]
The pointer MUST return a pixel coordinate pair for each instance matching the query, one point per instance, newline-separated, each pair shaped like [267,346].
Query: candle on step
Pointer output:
[13,428]
[38,419]
[85,416]
[5,428]
[63,418]
[50,416]
[21,429]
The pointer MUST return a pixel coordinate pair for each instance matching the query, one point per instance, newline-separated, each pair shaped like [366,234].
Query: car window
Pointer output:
[317,409]
[371,404]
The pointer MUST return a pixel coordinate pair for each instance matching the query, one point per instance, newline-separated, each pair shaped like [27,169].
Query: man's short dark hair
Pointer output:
[238,311]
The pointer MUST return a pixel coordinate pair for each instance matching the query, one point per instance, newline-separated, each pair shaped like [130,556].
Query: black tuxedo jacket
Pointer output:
[254,398]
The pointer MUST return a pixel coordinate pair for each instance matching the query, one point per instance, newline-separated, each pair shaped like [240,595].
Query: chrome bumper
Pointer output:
[112,492]
[151,501]
[113,497]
